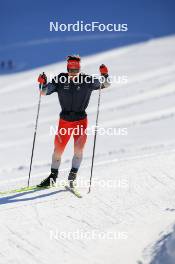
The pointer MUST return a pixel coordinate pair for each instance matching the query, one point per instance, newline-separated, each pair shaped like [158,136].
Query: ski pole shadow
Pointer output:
[14,198]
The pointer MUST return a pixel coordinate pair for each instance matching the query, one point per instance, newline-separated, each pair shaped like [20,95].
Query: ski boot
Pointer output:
[49,180]
[72,178]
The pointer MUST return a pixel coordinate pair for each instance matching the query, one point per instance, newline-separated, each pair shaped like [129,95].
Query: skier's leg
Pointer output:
[60,142]
[79,143]
[61,138]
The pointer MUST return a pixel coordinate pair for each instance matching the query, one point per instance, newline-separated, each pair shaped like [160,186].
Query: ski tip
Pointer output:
[73,191]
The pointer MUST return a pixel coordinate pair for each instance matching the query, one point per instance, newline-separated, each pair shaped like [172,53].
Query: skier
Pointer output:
[74,90]
[2,64]
[10,64]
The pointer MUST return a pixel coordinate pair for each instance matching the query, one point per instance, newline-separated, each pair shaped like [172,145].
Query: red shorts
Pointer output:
[68,128]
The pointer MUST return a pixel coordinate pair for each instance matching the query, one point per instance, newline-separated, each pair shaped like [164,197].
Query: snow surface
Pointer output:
[139,206]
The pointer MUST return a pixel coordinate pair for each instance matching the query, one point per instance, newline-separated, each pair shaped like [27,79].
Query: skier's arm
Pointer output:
[105,82]
[49,88]
[46,88]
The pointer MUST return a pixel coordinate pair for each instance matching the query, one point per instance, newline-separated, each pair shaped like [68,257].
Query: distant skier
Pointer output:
[10,64]
[74,91]
[2,64]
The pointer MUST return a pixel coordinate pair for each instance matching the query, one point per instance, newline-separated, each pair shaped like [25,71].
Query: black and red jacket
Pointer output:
[73,96]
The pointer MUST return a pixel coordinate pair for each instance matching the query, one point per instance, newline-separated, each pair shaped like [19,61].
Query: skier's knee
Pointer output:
[79,155]
[57,155]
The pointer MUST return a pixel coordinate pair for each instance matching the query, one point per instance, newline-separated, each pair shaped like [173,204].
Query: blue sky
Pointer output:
[22,22]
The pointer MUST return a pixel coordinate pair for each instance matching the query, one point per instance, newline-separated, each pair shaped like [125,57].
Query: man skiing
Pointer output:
[74,90]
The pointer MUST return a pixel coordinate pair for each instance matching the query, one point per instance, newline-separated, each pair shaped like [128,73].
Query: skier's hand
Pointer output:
[42,79]
[103,70]
[42,92]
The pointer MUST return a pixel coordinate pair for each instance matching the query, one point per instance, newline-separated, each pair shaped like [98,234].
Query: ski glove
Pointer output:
[103,70]
[42,79]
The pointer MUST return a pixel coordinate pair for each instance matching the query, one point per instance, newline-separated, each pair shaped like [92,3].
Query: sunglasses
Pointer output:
[73,70]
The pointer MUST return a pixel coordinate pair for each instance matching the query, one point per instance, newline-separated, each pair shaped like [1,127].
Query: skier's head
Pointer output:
[73,65]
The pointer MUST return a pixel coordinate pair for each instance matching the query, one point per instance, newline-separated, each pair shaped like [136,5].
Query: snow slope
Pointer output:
[132,193]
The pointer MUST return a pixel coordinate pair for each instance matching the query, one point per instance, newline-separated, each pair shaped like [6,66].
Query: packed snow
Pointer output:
[129,215]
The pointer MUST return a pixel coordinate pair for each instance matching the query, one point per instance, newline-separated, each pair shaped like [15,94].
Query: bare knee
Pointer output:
[78,153]
[56,154]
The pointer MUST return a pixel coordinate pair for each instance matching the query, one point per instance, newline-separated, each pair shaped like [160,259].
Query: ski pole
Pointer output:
[95,138]
[34,136]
